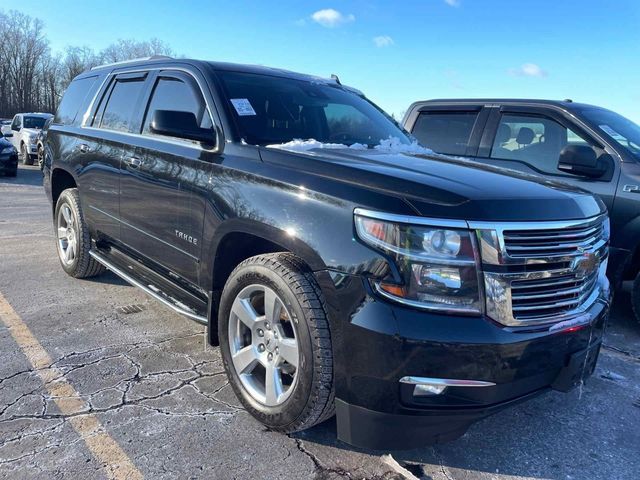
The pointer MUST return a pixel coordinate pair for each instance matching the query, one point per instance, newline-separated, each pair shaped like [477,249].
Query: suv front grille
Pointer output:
[551,296]
[545,243]
[537,273]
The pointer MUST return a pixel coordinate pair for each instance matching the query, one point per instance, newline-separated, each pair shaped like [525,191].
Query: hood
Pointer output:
[30,131]
[4,143]
[446,187]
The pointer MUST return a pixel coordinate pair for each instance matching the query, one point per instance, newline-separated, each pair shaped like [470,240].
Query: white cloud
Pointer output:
[383,41]
[330,18]
[528,70]
[452,3]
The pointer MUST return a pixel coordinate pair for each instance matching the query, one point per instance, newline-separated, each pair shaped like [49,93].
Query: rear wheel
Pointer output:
[72,237]
[13,172]
[275,342]
[635,297]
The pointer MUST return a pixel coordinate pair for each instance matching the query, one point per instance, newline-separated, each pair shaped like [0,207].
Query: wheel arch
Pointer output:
[61,180]
[237,240]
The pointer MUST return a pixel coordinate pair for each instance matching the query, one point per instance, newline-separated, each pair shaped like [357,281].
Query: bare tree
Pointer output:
[34,79]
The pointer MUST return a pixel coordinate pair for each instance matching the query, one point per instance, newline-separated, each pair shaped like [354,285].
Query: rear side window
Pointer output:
[445,132]
[74,99]
[121,104]
[176,95]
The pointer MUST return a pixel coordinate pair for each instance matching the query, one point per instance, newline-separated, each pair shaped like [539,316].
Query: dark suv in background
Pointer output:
[339,267]
[583,145]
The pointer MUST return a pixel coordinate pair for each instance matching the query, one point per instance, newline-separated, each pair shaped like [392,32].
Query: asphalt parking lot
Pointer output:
[99,381]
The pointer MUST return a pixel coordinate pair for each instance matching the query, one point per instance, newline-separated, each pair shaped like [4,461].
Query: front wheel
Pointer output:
[275,342]
[72,237]
[24,153]
[635,297]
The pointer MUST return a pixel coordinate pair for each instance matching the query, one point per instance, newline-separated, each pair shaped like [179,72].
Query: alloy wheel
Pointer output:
[264,345]
[67,235]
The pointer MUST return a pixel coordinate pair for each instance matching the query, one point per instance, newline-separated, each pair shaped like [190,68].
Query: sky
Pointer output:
[396,52]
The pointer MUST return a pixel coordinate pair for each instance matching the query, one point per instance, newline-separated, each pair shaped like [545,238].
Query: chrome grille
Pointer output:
[539,273]
[551,296]
[556,242]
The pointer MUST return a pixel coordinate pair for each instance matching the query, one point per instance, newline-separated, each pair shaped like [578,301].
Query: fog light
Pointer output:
[428,390]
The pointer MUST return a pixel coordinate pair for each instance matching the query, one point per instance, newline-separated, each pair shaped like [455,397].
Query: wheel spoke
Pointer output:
[66,213]
[62,232]
[272,306]
[245,359]
[67,253]
[289,350]
[244,311]
[272,384]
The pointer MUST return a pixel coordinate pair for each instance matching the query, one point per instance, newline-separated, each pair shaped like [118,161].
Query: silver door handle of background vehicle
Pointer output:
[83,147]
[631,188]
[133,162]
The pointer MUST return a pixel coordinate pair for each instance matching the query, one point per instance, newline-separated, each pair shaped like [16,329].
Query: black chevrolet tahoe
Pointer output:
[340,268]
[583,145]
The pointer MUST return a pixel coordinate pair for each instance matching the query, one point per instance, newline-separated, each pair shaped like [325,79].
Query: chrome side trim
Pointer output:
[146,289]
[446,382]
[392,217]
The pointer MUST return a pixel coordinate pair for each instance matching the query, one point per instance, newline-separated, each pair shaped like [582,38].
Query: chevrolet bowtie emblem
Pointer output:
[585,264]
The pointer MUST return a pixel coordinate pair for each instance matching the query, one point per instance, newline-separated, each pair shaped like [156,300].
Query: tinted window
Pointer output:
[73,99]
[176,95]
[445,132]
[34,122]
[536,141]
[274,110]
[118,112]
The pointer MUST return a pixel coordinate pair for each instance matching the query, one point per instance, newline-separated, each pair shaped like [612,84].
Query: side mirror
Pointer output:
[581,160]
[15,128]
[8,134]
[181,125]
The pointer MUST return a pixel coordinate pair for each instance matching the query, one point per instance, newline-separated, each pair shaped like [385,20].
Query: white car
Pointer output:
[26,128]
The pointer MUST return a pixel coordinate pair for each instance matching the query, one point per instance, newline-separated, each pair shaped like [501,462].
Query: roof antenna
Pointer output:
[335,77]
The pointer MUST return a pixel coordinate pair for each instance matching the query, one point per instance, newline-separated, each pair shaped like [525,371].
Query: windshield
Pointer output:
[34,122]
[274,110]
[622,130]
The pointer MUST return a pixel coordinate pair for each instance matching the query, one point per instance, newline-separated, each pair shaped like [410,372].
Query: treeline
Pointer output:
[33,78]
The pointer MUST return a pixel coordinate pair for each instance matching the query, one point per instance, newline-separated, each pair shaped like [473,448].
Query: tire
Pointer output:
[26,158]
[41,157]
[12,173]
[68,213]
[309,398]
[635,297]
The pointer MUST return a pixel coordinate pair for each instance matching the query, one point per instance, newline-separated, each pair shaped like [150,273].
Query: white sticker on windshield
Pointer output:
[610,131]
[243,106]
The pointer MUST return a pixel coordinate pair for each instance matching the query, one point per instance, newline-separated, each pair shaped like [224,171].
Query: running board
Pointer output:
[150,290]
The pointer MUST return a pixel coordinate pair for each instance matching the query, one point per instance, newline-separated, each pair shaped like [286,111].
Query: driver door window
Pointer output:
[536,141]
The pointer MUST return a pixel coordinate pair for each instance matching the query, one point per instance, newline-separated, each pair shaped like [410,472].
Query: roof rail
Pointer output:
[133,60]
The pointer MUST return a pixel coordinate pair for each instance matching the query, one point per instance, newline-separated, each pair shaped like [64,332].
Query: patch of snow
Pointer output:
[390,145]
[305,145]
[394,145]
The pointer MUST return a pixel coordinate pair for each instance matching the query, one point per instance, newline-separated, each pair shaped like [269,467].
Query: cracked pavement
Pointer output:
[161,393]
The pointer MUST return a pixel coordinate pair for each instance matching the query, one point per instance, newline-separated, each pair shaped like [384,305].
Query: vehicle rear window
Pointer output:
[73,99]
[121,104]
[445,132]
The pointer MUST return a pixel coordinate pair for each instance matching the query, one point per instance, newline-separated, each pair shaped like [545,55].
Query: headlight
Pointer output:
[437,265]
[8,149]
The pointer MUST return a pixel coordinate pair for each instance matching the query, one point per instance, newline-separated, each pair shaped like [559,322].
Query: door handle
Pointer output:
[133,162]
[84,148]
[631,188]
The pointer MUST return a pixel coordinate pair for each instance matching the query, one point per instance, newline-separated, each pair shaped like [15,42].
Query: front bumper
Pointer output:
[377,343]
